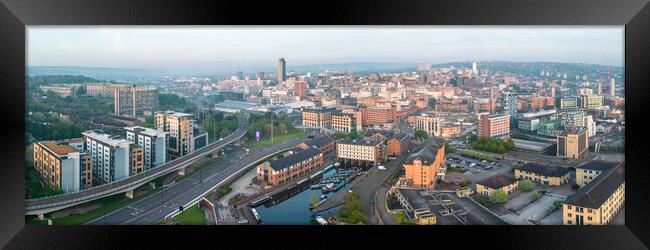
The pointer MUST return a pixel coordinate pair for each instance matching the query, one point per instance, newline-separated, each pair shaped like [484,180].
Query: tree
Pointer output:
[510,144]
[501,149]
[432,103]
[352,211]
[498,197]
[421,134]
[526,185]
[353,134]
[400,217]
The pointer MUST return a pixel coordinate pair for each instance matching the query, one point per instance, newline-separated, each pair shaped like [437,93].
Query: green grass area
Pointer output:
[191,216]
[453,169]
[277,139]
[111,203]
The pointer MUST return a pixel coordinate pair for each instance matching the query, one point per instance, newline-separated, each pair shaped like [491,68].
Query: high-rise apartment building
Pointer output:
[567,103]
[612,87]
[299,88]
[591,101]
[180,127]
[493,126]
[62,167]
[152,142]
[282,71]
[111,156]
[135,100]
[509,104]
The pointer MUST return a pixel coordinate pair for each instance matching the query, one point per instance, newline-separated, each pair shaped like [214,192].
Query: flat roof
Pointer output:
[235,104]
[598,165]
[360,142]
[175,113]
[105,138]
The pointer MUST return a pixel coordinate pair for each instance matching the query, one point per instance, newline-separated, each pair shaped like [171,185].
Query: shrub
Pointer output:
[526,185]
[499,197]
[537,195]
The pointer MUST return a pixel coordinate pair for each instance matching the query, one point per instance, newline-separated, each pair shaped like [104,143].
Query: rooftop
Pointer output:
[426,155]
[174,113]
[294,158]
[360,142]
[544,170]
[320,141]
[596,192]
[235,104]
[385,133]
[59,148]
[145,131]
[598,165]
[497,181]
[105,138]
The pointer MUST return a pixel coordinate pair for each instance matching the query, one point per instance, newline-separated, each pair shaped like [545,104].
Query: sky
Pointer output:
[164,47]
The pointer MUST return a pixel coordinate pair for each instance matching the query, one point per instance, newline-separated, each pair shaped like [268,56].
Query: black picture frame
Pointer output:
[15,14]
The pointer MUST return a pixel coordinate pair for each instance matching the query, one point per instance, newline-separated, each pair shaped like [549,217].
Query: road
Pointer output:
[53,203]
[155,207]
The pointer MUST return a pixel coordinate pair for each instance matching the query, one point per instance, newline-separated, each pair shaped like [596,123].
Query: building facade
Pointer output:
[399,144]
[360,152]
[317,117]
[135,100]
[110,155]
[573,143]
[431,124]
[290,167]
[62,167]
[422,167]
[282,71]
[504,183]
[493,126]
[180,127]
[588,171]
[153,143]
[546,175]
[378,115]
[598,202]
[343,122]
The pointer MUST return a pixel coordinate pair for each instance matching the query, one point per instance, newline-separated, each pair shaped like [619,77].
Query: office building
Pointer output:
[62,167]
[493,126]
[360,152]
[509,104]
[547,175]
[504,183]
[282,71]
[573,119]
[153,143]
[429,123]
[60,90]
[293,166]
[573,143]
[103,89]
[135,100]
[378,115]
[111,156]
[423,166]
[180,127]
[588,171]
[317,117]
[528,124]
[598,202]
[567,103]
[344,122]
[591,101]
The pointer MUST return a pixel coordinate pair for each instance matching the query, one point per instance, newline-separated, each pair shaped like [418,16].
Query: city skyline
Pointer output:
[233,47]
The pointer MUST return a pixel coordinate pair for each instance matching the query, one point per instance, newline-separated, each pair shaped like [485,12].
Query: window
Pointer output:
[569,215]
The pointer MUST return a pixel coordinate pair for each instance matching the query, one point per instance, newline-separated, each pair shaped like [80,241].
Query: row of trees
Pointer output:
[219,126]
[281,125]
[341,135]
[494,145]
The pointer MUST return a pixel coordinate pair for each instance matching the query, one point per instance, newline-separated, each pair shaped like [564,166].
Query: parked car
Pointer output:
[381,167]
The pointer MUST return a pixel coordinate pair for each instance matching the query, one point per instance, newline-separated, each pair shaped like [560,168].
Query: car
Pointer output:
[484,161]
[472,164]
[242,221]
[493,163]
[392,158]
[381,167]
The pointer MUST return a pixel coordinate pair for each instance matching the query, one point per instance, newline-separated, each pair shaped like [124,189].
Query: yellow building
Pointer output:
[62,167]
[588,171]
[181,132]
[498,182]
[573,144]
[546,175]
[424,216]
[422,167]
[598,202]
[343,122]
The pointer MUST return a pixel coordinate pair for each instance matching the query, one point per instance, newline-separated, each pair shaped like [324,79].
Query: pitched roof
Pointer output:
[596,192]
[497,181]
[544,170]
[598,165]
[385,133]
[401,137]
[320,141]
[426,155]
[294,158]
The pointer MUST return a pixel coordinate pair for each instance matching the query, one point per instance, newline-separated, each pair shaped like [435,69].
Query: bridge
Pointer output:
[41,206]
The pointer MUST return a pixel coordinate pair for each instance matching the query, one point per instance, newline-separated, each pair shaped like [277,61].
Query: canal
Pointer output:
[295,209]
